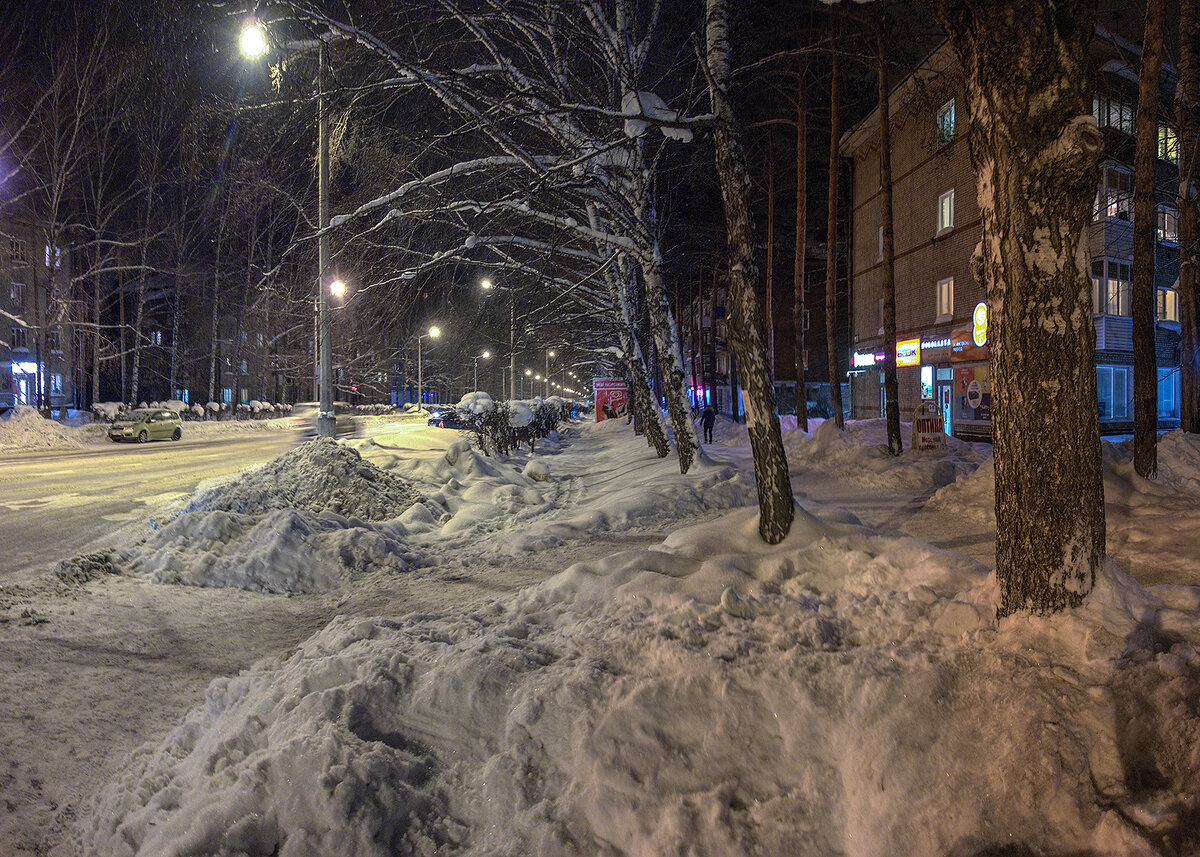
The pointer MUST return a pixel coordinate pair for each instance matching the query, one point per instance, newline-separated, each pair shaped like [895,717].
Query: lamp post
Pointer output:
[254,44]
[528,373]
[549,354]
[484,356]
[434,333]
[487,286]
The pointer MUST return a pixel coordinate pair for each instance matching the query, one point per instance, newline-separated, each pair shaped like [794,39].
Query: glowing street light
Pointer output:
[484,356]
[253,39]
[487,286]
[337,288]
[434,333]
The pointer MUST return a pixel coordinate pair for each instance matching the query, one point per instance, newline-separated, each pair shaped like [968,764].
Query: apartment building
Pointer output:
[941,312]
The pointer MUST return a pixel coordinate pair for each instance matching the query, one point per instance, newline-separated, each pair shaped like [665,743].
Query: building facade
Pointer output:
[941,311]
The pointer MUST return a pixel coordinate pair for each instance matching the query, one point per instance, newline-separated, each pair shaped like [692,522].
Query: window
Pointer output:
[945,299]
[1166,305]
[55,383]
[1168,393]
[18,251]
[806,314]
[945,123]
[16,293]
[1112,389]
[945,215]
[18,338]
[879,258]
[1111,286]
[260,340]
[156,337]
[1111,113]
[244,370]
[1167,227]
[1168,144]
[1114,197]
[53,257]
[806,359]
[52,341]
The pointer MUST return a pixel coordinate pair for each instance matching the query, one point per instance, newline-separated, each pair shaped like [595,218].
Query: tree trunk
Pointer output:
[1187,101]
[121,318]
[96,342]
[798,257]
[891,388]
[775,502]
[835,386]
[769,303]
[1145,360]
[1035,151]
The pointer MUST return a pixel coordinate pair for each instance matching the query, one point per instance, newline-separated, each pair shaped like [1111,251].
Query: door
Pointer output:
[945,397]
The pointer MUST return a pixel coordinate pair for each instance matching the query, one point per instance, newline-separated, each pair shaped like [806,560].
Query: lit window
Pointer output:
[1167,225]
[1114,197]
[1166,304]
[945,216]
[1168,144]
[1168,393]
[1110,113]
[1112,388]
[945,123]
[56,383]
[16,293]
[156,337]
[945,298]
[53,256]
[1111,286]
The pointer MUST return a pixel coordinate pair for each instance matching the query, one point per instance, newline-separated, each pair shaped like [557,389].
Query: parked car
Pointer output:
[147,424]
[304,419]
[446,418]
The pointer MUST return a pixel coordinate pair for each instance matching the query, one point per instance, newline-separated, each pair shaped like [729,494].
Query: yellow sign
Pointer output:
[908,352]
[979,324]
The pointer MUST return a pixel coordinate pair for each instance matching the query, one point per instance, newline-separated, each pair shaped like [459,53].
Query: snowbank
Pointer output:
[25,428]
[840,693]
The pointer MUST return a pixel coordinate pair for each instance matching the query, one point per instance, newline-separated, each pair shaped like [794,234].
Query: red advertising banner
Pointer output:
[612,398]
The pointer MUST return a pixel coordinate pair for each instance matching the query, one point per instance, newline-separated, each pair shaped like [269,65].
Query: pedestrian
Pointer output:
[707,419]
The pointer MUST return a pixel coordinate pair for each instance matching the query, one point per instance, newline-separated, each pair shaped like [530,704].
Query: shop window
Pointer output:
[1114,197]
[18,251]
[1167,224]
[945,299]
[16,294]
[1111,113]
[945,123]
[1166,304]
[1111,287]
[945,212]
[1112,389]
[1168,144]
[1168,393]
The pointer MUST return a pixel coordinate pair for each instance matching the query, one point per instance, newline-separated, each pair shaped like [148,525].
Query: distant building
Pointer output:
[941,312]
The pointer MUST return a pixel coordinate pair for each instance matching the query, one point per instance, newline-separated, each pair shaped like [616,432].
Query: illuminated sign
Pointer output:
[979,324]
[944,342]
[861,360]
[908,352]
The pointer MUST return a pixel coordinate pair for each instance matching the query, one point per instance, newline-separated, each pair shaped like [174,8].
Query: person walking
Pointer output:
[707,419]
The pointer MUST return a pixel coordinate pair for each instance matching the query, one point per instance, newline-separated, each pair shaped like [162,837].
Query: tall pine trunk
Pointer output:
[1035,147]
[775,502]
[1145,360]
[831,242]
[891,388]
[800,251]
[1187,102]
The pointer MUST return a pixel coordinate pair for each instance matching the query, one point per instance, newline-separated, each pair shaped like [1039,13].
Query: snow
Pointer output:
[24,427]
[476,403]
[520,414]
[848,691]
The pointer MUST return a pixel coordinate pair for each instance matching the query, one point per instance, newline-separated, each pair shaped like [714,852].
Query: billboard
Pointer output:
[612,398]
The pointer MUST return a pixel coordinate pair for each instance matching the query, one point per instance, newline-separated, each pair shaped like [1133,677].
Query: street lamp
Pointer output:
[254,43]
[528,372]
[434,333]
[487,286]
[484,356]
[338,289]
[549,354]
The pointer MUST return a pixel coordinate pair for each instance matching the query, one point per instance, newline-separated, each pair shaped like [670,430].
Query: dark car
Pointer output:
[446,418]
[304,419]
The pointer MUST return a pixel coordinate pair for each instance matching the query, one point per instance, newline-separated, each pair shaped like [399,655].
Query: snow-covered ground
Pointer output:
[848,691]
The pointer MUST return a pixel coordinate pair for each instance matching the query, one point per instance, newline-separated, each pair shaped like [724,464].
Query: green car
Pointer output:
[147,424]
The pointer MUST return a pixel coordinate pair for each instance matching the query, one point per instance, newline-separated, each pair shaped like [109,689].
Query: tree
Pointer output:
[800,250]
[831,242]
[1145,360]
[890,385]
[775,501]
[1187,102]
[1034,146]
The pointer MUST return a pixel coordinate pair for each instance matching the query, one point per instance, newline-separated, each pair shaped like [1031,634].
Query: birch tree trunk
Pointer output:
[1145,361]
[1034,146]
[891,388]
[835,386]
[1187,102]
[775,501]
[798,257]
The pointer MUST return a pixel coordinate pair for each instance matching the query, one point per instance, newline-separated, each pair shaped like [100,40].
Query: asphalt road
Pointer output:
[55,504]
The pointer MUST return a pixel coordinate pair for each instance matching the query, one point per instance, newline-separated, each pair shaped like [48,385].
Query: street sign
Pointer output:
[612,398]
[928,428]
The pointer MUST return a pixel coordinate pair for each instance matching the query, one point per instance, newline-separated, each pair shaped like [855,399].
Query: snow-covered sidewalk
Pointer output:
[845,692]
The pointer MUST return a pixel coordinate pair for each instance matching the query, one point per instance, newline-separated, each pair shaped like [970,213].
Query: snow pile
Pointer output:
[859,455]
[25,428]
[108,411]
[840,693]
[300,523]
[650,105]
[476,403]
[520,414]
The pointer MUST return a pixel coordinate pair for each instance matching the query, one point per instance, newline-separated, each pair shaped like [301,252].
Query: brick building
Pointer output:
[941,312]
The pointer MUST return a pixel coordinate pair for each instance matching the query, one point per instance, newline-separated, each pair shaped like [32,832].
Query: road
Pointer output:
[56,503]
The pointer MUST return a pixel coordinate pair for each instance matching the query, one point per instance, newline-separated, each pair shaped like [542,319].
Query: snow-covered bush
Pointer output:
[196,410]
[108,411]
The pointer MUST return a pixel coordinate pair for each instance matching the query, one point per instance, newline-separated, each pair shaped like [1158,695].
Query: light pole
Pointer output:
[528,373]
[487,286]
[484,356]
[434,333]
[549,354]
[254,44]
